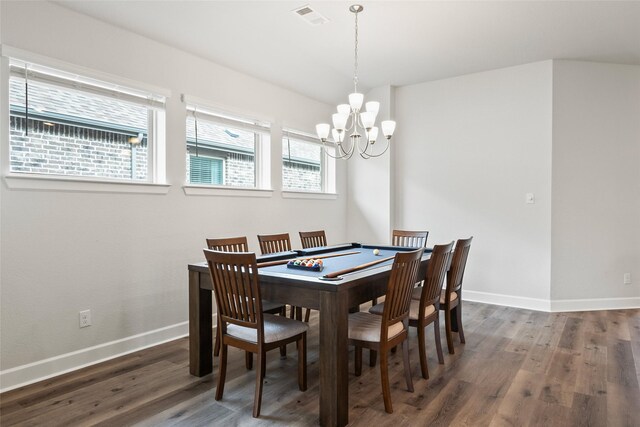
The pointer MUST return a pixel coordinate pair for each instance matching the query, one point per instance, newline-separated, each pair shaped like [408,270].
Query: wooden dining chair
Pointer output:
[313,239]
[239,244]
[425,310]
[381,333]
[451,298]
[242,322]
[410,239]
[272,243]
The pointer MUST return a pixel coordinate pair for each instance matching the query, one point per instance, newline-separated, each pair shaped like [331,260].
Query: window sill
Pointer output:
[208,190]
[57,183]
[308,195]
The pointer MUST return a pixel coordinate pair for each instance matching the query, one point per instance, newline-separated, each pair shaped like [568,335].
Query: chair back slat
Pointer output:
[398,299]
[272,243]
[313,239]
[236,288]
[436,272]
[458,265]
[409,239]
[229,244]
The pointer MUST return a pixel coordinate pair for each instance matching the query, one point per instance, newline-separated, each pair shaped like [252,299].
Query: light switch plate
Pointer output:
[530,198]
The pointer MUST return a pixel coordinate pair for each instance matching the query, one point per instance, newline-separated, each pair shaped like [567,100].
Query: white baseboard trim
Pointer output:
[507,300]
[595,304]
[537,304]
[41,370]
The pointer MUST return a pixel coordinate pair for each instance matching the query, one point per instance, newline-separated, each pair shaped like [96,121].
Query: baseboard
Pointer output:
[507,300]
[595,304]
[552,305]
[47,368]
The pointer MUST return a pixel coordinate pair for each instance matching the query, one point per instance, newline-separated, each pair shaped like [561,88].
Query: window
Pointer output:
[305,166]
[224,150]
[65,124]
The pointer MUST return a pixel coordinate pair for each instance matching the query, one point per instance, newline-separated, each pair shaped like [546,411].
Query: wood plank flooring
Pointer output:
[518,368]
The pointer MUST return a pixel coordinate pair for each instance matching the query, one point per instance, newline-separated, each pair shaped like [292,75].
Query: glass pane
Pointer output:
[301,165]
[235,146]
[77,134]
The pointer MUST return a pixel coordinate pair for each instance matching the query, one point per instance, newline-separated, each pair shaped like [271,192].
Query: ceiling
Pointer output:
[400,42]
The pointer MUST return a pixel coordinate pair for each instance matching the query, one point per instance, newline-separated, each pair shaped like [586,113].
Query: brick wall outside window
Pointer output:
[72,150]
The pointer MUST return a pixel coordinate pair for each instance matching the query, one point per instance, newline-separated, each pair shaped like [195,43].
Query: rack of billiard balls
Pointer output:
[306,264]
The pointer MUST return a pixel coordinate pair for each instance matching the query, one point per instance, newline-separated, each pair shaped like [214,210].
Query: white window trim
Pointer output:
[216,190]
[328,180]
[62,183]
[286,194]
[261,151]
[51,182]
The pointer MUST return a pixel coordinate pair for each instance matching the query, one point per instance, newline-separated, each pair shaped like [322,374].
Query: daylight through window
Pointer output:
[64,124]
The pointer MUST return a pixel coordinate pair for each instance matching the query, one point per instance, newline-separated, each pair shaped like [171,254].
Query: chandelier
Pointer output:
[351,118]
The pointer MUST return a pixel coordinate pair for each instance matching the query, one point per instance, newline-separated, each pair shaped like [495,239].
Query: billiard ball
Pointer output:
[376,252]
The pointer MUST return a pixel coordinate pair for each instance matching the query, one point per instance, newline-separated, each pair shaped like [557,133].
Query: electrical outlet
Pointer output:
[85,318]
[627,278]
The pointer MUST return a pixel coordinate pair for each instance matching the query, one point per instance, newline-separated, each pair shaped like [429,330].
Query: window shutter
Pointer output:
[206,170]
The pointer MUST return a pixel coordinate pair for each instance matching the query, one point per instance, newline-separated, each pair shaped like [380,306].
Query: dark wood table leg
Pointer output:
[200,327]
[334,372]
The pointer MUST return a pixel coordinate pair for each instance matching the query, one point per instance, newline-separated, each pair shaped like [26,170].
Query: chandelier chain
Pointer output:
[355,64]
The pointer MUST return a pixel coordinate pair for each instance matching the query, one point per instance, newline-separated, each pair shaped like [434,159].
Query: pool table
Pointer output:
[333,299]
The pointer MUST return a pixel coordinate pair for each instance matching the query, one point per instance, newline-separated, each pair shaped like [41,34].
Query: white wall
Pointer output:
[124,256]
[596,182]
[468,149]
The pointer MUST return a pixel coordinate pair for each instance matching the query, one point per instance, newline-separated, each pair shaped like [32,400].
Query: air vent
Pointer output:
[310,16]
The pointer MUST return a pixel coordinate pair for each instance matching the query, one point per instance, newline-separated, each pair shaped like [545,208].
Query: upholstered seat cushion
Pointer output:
[443,296]
[365,326]
[276,328]
[413,310]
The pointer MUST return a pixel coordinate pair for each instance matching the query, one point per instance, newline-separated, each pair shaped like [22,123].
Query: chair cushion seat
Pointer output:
[276,328]
[413,309]
[443,295]
[365,326]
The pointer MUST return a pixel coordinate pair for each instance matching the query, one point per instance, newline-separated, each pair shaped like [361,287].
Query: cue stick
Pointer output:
[356,268]
[284,261]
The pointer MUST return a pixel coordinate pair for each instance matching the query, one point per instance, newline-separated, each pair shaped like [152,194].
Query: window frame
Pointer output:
[156,128]
[328,176]
[261,153]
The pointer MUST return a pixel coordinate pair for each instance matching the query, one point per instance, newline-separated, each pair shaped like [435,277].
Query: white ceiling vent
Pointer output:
[310,16]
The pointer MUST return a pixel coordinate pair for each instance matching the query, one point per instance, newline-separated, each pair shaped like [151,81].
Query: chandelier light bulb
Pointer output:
[355,101]
[373,134]
[388,127]
[340,121]
[367,119]
[373,107]
[344,109]
[323,131]
[338,137]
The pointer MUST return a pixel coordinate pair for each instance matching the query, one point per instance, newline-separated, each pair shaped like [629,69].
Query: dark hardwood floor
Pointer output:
[518,368]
